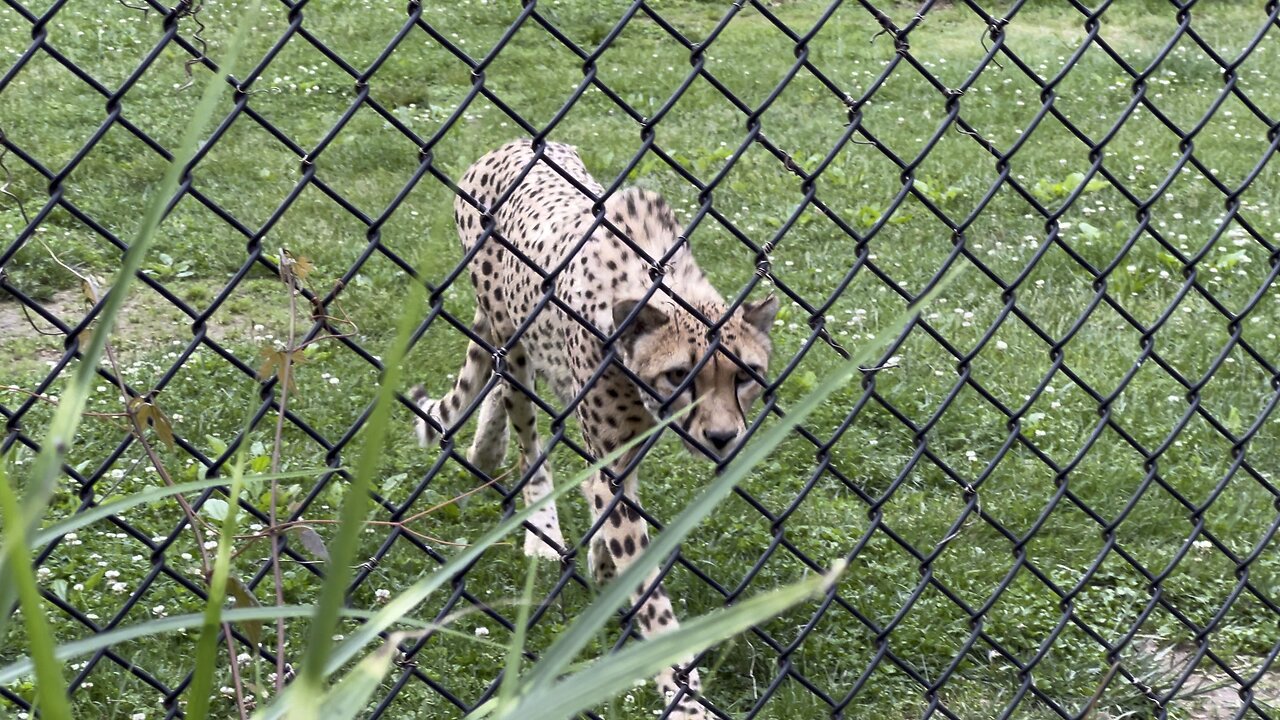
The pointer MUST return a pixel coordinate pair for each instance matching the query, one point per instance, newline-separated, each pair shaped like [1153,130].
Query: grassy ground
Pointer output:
[915,480]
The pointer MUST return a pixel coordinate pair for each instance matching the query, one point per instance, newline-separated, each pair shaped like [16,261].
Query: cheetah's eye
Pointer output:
[745,378]
[675,376]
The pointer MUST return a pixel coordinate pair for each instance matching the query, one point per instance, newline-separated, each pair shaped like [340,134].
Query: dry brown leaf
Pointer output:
[294,267]
[147,414]
[302,267]
[273,364]
[88,288]
[311,541]
[245,599]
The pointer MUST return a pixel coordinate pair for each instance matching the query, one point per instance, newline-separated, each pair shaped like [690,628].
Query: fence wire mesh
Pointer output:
[1054,490]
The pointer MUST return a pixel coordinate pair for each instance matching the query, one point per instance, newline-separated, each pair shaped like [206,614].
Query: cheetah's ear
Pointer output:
[648,319]
[761,314]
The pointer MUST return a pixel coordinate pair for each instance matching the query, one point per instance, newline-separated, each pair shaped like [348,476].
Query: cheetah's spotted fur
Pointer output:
[604,280]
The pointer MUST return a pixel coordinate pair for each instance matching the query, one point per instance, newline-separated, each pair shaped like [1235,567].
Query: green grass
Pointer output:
[49,114]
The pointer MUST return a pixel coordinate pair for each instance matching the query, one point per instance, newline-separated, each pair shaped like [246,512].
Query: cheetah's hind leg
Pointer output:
[489,446]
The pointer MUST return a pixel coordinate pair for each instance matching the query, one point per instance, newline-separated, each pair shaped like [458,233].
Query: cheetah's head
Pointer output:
[664,344]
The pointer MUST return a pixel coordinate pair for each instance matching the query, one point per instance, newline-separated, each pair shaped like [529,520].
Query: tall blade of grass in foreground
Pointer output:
[51,687]
[175,623]
[617,672]
[348,698]
[570,642]
[200,691]
[62,428]
[337,572]
[511,673]
[79,521]
[401,605]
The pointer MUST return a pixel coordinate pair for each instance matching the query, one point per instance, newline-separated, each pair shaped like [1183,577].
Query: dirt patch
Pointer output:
[147,321]
[1214,696]
[1207,693]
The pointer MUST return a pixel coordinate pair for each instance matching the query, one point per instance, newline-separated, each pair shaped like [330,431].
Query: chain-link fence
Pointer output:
[1054,491]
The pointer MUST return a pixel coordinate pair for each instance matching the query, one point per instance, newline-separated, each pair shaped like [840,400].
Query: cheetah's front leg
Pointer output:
[546,541]
[619,541]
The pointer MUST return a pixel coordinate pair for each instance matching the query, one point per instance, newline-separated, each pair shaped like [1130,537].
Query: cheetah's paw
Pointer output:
[535,546]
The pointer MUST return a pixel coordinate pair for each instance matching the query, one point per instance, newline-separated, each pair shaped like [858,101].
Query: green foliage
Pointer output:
[1047,191]
[51,685]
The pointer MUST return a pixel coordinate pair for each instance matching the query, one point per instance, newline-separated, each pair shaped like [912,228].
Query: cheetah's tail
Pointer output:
[426,434]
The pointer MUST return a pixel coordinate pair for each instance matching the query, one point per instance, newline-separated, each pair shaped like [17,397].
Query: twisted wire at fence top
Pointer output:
[171,24]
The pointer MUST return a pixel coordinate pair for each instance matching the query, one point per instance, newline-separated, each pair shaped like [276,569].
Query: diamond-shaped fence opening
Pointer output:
[1054,490]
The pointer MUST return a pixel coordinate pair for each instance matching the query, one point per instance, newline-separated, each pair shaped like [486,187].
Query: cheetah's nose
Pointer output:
[720,439]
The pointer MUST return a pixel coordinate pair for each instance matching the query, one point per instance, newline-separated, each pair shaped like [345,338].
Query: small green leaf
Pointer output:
[1235,421]
[215,508]
[216,444]
[1231,259]
[93,580]
[391,482]
[1168,259]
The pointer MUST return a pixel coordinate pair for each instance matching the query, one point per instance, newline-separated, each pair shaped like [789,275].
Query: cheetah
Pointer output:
[541,244]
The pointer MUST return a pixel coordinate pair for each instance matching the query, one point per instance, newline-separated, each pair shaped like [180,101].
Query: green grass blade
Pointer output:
[404,603]
[51,686]
[511,673]
[200,691]
[333,591]
[349,697]
[62,428]
[82,520]
[162,626]
[619,671]
[567,646]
